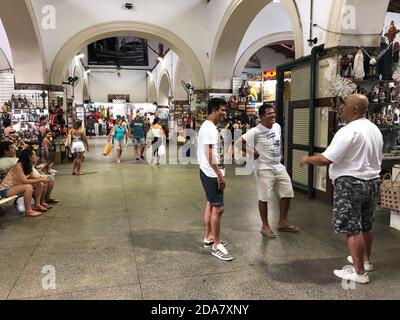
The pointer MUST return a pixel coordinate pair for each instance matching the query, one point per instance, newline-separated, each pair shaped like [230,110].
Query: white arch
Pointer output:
[369,19]
[86,94]
[259,44]
[164,89]
[233,27]
[183,72]
[23,34]
[152,92]
[123,28]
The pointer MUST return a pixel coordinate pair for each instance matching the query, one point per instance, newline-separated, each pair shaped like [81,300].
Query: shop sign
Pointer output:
[271,75]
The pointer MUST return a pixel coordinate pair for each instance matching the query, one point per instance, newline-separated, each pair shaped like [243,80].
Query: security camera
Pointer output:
[129,5]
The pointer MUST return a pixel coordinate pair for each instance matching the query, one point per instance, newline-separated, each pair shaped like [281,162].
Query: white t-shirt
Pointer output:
[268,145]
[7,163]
[208,135]
[356,151]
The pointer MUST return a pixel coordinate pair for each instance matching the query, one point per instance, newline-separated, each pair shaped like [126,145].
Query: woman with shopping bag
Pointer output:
[120,135]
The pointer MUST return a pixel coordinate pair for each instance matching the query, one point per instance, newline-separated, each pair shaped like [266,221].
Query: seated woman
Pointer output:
[8,160]
[20,180]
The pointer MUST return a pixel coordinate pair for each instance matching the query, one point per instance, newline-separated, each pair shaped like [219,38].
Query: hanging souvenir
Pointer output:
[359,72]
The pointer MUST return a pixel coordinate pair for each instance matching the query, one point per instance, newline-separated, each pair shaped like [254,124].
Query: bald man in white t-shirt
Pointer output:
[355,159]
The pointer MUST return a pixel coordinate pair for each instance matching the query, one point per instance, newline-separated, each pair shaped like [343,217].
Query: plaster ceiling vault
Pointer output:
[211,37]
[233,28]
[24,39]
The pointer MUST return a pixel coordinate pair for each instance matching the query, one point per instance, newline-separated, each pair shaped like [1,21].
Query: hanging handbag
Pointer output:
[68,141]
[390,193]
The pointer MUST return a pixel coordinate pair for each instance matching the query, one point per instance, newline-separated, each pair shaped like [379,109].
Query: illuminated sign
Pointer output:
[271,74]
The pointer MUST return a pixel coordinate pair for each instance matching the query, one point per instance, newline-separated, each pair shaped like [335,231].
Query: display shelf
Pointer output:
[372,81]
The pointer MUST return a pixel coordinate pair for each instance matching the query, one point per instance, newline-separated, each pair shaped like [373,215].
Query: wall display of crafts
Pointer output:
[201,114]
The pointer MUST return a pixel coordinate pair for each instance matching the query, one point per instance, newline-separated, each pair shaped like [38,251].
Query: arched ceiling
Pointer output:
[238,17]
[123,28]
[23,35]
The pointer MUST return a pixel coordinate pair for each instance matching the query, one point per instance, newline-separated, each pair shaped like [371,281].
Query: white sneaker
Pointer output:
[221,253]
[209,244]
[348,273]
[368,266]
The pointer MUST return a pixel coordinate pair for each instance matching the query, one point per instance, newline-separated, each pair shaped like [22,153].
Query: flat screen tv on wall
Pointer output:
[119,51]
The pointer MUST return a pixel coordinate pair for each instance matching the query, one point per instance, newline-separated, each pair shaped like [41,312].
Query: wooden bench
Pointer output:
[7,200]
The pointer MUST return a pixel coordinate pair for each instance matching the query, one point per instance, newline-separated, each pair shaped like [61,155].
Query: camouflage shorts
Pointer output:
[354,204]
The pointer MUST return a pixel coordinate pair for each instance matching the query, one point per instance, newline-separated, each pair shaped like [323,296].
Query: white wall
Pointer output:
[321,16]
[131,82]
[272,19]
[5,47]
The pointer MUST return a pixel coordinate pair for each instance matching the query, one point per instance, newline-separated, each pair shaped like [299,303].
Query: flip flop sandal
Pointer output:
[53,201]
[291,229]
[268,235]
[34,215]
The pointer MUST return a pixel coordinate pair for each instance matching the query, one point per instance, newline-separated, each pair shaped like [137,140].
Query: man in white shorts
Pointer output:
[264,142]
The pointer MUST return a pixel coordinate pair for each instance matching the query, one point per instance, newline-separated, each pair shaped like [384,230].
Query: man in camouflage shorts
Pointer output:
[354,205]
[355,159]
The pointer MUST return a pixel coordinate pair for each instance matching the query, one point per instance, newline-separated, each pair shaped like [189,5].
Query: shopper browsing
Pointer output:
[138,134]
[120,136]
[212,177]
[355,159]
[156,139]
[79,141]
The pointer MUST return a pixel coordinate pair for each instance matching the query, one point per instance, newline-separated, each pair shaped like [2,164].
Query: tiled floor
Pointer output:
[133,231]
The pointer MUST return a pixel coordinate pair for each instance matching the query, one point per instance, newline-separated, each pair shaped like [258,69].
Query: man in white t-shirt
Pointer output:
[355,159]
[212,178]
[265,143]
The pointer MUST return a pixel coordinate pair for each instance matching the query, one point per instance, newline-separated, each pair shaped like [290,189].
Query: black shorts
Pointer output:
[210,185]
[354,204]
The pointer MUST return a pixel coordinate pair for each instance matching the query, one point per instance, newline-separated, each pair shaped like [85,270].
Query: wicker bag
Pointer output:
[390,193]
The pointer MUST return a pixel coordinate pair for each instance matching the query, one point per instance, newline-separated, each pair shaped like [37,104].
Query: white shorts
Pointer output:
[77,147]
[269,181]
